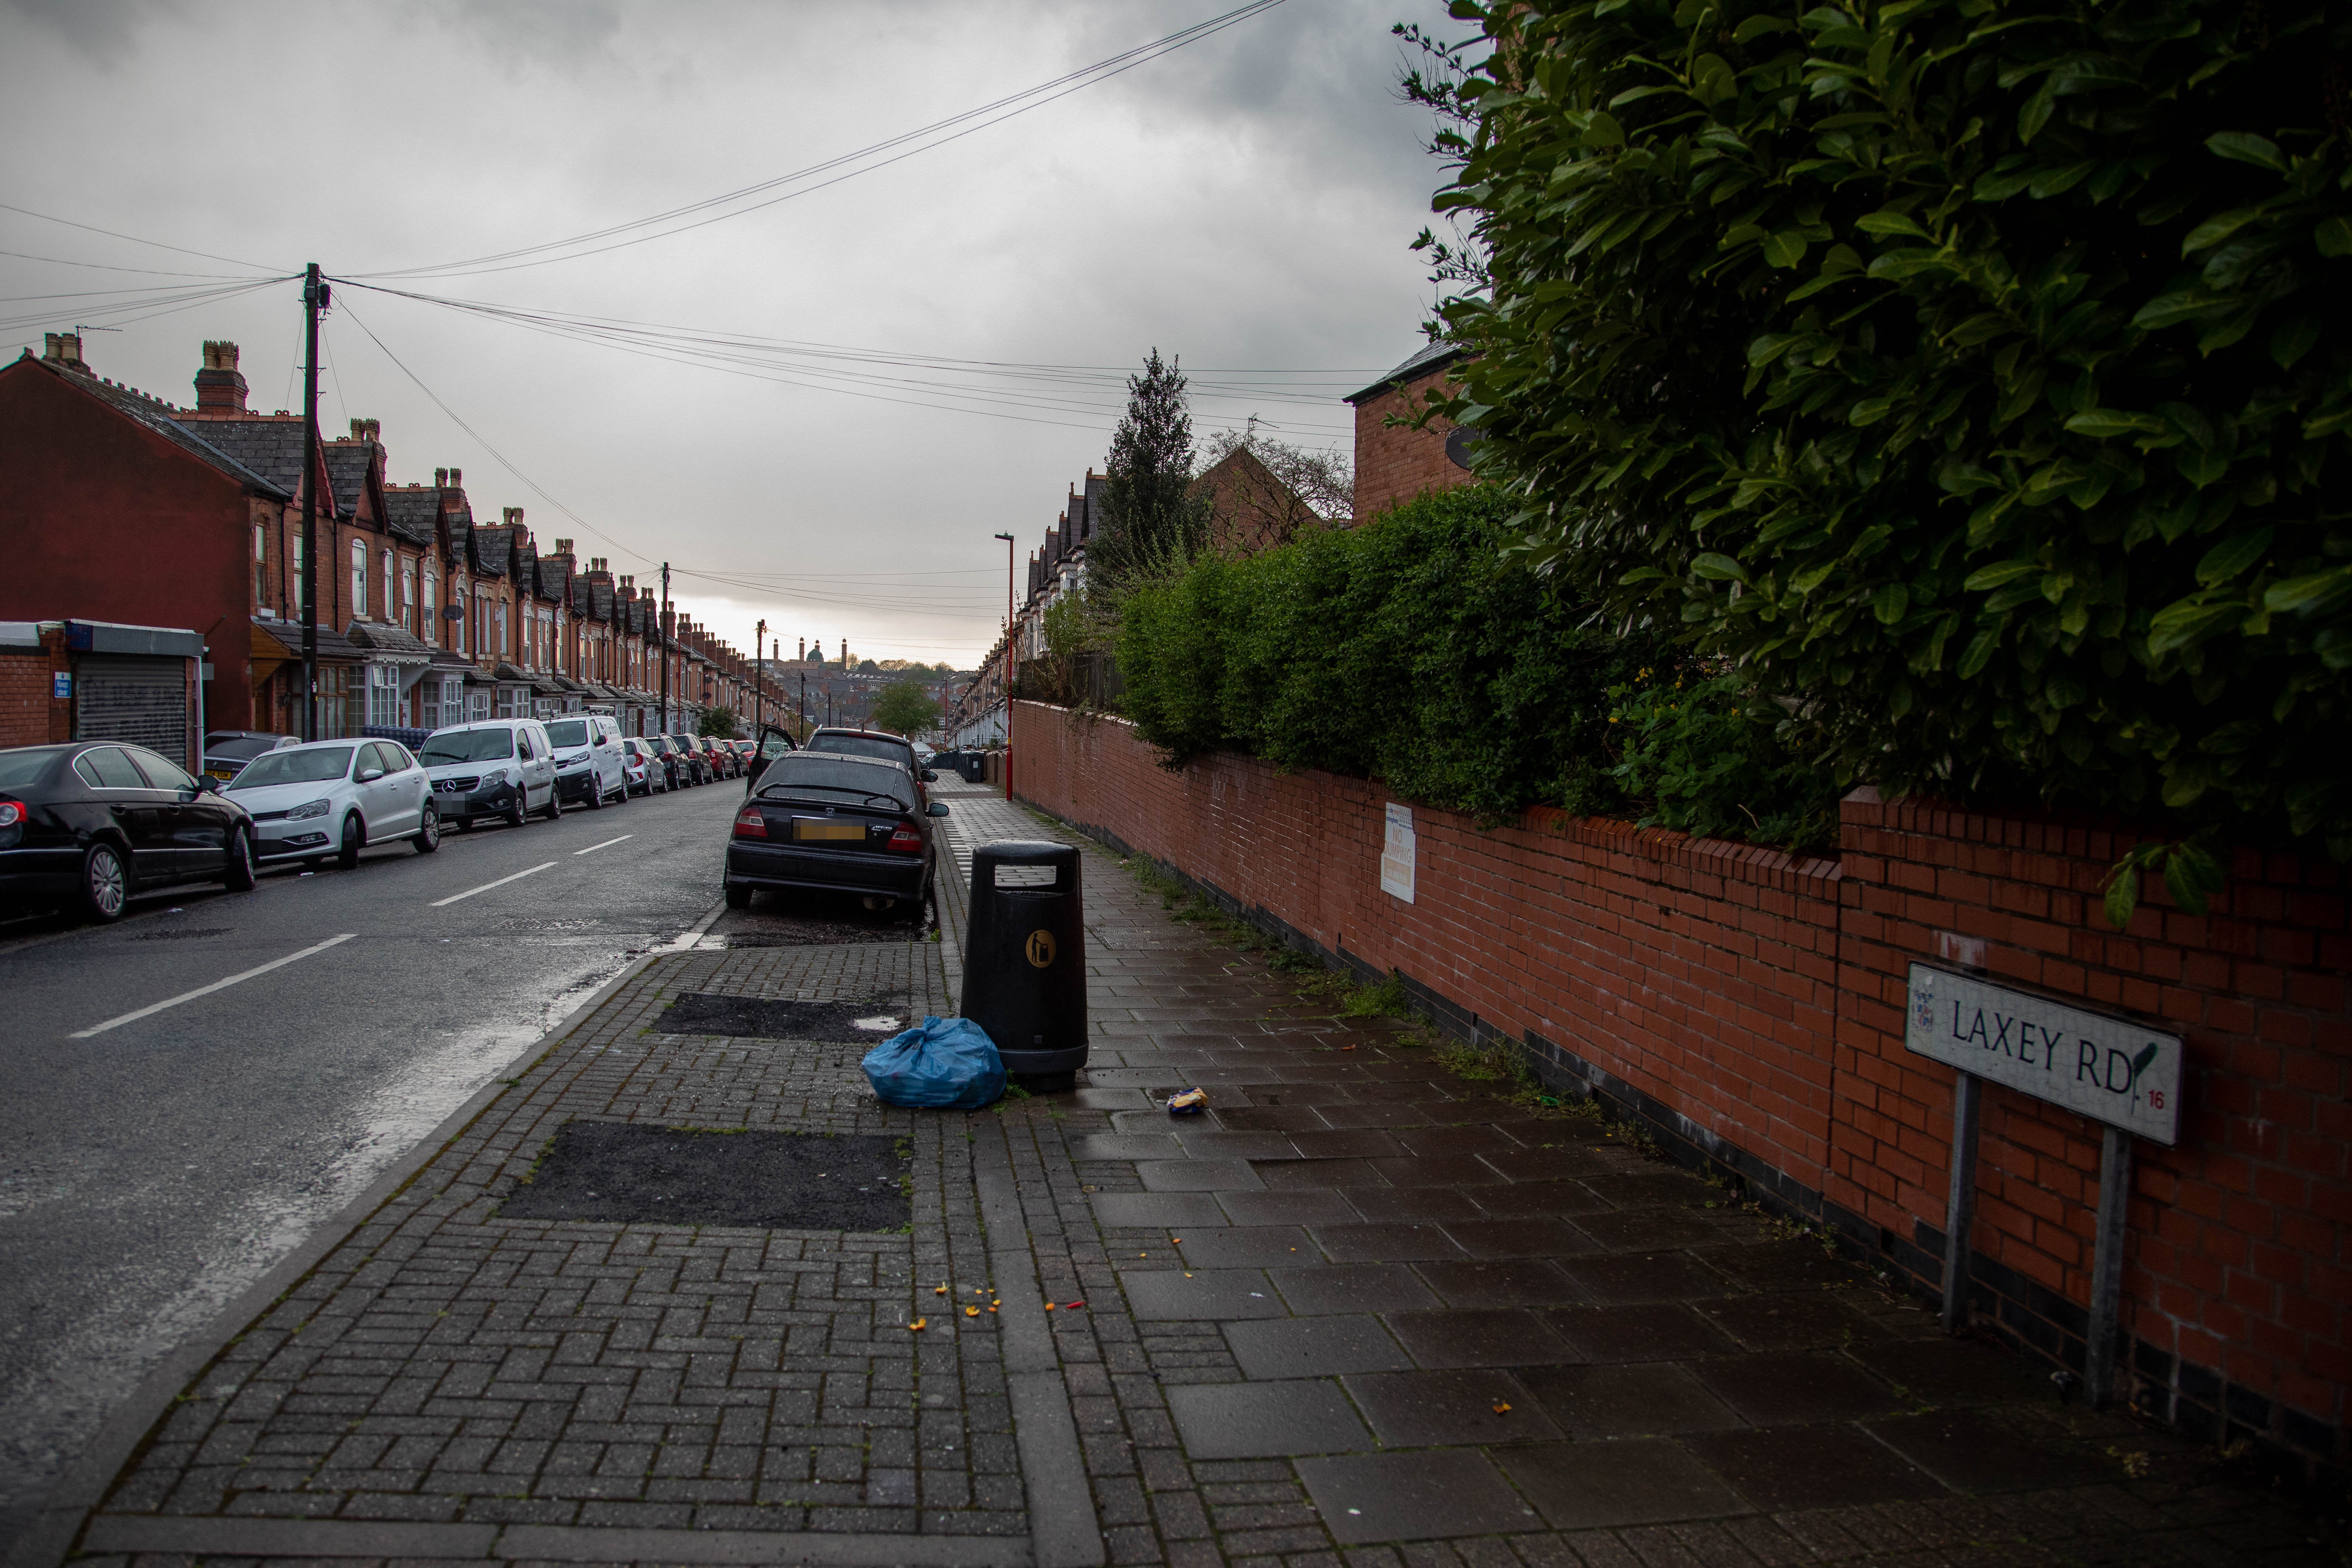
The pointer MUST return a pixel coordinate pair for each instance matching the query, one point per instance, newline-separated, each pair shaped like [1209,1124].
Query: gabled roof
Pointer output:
[156,415]
[382,638]
[1429,358]
[348,463]
[412,514]
[271,448]
[493,543]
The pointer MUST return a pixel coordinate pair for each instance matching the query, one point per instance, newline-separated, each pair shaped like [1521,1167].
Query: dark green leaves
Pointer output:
[2046,309]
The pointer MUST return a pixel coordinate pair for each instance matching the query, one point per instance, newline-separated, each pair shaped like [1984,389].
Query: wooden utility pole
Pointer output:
[759,678]
[314,299]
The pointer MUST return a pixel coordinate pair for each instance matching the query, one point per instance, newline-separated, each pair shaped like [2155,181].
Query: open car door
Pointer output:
[773,743]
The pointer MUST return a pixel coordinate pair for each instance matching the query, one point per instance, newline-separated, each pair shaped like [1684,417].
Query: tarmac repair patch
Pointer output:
[765,1019]
[628,1173]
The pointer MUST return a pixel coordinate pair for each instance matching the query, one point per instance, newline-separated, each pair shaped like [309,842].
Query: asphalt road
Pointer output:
[150,1171]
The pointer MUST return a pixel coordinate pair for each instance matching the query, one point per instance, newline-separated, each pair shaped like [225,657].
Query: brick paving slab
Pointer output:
[1277,1335]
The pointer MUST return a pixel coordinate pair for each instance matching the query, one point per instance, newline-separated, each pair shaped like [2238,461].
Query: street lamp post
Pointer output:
[1008,664]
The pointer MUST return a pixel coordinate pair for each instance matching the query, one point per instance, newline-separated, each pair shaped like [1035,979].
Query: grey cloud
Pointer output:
[520,33]
[104,30]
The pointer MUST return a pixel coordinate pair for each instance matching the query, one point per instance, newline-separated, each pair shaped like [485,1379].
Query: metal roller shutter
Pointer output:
[143,700]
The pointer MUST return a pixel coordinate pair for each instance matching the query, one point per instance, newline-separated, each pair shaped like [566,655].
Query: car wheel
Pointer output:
[428,831]
[238,874]
[348,854]
[105,884]
[516,814]
[595,793]
[738,896]
[554,804]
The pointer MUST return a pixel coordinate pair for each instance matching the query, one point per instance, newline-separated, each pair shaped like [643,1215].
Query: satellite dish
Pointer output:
[1459,443]
[453,612]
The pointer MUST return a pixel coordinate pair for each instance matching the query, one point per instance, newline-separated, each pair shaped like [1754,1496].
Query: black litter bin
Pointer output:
[1024,963]
[973,766]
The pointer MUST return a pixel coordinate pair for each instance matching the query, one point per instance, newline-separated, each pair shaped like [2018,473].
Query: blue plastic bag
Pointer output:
[940,1064]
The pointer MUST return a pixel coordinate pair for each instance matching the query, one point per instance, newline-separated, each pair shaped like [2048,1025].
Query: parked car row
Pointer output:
[97,822]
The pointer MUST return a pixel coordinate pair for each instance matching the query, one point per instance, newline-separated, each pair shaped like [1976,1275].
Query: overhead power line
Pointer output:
[845,166]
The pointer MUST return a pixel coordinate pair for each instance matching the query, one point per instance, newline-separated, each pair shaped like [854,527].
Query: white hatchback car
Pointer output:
[336,797]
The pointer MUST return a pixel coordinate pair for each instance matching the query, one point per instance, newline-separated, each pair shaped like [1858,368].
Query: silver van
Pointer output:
[494,767]
[589,767]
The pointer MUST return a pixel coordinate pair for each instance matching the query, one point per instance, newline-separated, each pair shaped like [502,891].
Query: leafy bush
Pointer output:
[1971,368]
[1704,754]
[1410,651]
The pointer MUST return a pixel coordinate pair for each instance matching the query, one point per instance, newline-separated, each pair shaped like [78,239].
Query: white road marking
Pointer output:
[486,887]
[208,989]
[606,845]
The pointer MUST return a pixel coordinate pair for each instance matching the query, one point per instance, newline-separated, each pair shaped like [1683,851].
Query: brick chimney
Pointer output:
[369,430]
[456,479]
[440,478]
[220,386]
[64,350]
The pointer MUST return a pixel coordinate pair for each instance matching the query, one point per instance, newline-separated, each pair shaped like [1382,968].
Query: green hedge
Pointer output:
[1980,370]
[1413,650]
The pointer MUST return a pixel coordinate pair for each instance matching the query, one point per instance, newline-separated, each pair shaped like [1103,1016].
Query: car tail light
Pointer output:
[12,811]
[906,840]
[749,824]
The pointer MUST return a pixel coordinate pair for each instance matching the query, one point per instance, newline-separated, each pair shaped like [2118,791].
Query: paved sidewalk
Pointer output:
[1363,1312]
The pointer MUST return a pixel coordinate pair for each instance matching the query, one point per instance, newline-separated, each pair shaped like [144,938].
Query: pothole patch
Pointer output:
[621,1172]
[769,1018]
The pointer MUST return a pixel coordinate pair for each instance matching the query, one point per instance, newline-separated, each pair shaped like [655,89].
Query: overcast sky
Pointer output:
[1245,201]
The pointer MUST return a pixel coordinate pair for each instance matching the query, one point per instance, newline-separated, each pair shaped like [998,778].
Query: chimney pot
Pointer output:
[220,386]
[456,479]
[440,478]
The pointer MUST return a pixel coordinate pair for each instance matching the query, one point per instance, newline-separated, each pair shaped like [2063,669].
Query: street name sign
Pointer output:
[2110,1069]
[1397,854]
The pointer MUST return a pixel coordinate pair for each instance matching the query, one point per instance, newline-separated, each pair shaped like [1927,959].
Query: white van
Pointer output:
[494,767]
[589,767]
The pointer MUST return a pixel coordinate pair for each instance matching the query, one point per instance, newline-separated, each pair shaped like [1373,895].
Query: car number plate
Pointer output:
[805,830]
[220,772]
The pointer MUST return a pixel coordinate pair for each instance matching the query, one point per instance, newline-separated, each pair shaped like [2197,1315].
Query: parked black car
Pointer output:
[227,751]
[96,822]
[696,767]
[879,743]
[772,744]
[839,823]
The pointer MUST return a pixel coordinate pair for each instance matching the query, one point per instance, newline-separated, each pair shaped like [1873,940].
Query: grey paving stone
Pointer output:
[1351,1287]
[1286,1208]
[1518,1282]
[1169,1295]
[1248,1246]
[1450,1408]
[1583,1485]
[1413,1497]
[1951,1371]
[1792,1321]
[1478,1336]
[1314,1347]
[1125,1146]
[1561,1199]
[1812,1467]
[1789,1390]
[1643,1277]
[1530,1237]
[1642,1399]
[1370,1241]
[1659,1330]
[1197,1175]
[1301,1175]
[1971,1451]
[1155,1211]
[1412,1204]
[1639,1230]
[1255,1420]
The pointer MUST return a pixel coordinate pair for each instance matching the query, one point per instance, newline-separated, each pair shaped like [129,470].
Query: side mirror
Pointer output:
[208,784]
[930,777]
[938,808]
[369,775]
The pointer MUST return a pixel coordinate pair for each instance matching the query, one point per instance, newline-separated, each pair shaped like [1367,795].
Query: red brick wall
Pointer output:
[1750,1006]
[1394,463]
[30,714]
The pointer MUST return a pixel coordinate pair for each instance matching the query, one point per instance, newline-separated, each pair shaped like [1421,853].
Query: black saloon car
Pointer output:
[840,824]
[96,822]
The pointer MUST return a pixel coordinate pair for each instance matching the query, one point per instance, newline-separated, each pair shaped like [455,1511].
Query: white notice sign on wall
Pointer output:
[1397,854]
[2110,1069]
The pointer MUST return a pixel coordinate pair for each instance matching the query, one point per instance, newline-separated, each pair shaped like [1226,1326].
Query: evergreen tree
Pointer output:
[1152,523]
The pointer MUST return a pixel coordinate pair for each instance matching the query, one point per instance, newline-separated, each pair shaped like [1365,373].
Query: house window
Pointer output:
[478,704]
[260,567]
[383,696]
[391,613]
[358,576]
[506,649]
[430,626]
[301,580]
[408,593]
